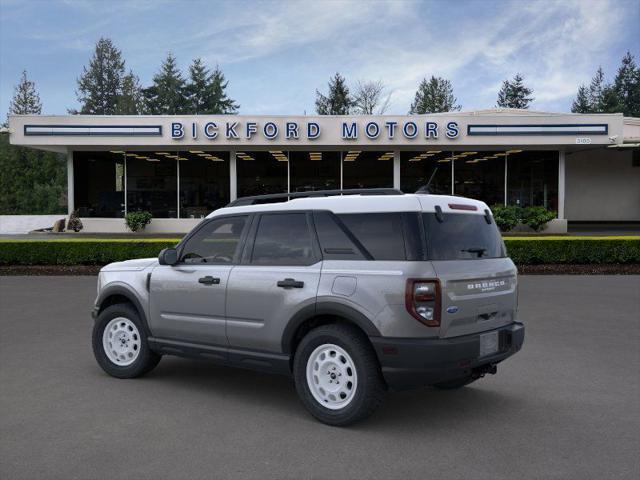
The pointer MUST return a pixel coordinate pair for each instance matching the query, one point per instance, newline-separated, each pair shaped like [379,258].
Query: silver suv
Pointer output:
[350,292]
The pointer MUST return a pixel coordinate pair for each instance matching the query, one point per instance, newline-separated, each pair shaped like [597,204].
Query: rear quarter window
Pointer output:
[381,234]
[462,236]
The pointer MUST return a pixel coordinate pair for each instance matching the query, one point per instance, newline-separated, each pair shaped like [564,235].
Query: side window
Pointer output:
[380,233]
[334,242]
[283,239]
[215,243]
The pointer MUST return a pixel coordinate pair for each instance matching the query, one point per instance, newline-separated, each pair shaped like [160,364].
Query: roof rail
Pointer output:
[285,197]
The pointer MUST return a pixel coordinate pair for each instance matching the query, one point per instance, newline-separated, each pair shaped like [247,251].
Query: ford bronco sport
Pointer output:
[350,292]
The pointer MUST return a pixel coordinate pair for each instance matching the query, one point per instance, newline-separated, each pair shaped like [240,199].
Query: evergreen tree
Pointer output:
[338,101]
[514,94]
[100,85]
[130,101]
[596,91]
[219,102]
[196,89]
[581,104]
[31,181]
[25,99]
[167,95]
[206,91]
[433,96]
[627,86]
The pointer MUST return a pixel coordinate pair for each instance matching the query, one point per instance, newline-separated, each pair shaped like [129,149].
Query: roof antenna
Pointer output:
[425,188]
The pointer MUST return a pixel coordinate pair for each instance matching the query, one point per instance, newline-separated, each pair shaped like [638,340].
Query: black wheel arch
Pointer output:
[323,313]
[115,294]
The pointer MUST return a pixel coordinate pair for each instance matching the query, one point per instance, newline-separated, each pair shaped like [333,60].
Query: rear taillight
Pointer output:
[422,299]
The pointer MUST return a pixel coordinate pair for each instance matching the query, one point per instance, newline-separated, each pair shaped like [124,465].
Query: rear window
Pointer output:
[462,236]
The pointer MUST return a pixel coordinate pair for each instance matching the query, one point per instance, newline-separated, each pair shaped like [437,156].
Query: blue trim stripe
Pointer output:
[93,130]
[533,129]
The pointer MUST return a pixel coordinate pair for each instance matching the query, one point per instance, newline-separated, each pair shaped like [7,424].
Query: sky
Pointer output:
[275,54]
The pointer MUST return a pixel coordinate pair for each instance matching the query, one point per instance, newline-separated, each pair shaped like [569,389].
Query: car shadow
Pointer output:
[424,407]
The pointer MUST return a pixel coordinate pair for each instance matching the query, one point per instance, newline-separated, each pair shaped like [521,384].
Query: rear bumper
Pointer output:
[409,363]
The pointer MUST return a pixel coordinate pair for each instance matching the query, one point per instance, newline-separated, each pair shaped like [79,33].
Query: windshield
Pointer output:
[462,236]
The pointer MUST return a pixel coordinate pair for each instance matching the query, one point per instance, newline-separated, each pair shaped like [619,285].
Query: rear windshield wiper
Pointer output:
[479,250]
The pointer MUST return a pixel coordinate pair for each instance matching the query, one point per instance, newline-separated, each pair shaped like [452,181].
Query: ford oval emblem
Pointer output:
[452,309]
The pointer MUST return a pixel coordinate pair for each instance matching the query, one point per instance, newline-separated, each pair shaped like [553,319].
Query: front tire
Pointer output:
[337,375]
[120,343]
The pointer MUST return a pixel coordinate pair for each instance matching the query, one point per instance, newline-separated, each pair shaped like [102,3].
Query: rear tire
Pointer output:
[454,384]
[120,342]
[337,375]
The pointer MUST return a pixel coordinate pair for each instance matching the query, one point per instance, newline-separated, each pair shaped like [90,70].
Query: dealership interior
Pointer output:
[191,184]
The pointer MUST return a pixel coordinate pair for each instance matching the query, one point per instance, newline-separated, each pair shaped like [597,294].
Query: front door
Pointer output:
[279,276]
[187,300]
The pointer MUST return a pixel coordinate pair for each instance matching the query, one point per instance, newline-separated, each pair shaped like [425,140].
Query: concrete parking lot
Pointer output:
[567,406]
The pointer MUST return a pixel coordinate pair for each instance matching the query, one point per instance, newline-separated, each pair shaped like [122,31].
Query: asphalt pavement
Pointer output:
[567,406]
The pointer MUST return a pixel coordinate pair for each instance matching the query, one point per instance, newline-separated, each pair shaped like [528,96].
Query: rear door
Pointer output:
[478,282]
[279,275]
[187,300]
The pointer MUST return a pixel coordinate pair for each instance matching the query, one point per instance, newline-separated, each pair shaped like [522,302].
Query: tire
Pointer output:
[129,355]
[454,384]
[356,388]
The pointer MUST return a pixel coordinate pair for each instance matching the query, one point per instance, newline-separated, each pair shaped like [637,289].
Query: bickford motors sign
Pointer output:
[295,130]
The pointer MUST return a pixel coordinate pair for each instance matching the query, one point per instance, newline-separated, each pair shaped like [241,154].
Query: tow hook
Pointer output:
[483,370]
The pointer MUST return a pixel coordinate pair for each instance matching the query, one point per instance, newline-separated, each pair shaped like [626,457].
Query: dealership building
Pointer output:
[180,168]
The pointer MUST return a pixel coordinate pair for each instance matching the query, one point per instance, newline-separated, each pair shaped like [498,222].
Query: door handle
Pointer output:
[209,280]
[290,283]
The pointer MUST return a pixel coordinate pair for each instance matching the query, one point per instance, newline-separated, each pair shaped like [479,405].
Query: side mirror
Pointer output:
[168,256]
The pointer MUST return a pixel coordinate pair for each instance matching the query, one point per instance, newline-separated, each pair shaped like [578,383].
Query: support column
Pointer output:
[561,182]
[233,177]
[506,172]
[396,169]
[70,183]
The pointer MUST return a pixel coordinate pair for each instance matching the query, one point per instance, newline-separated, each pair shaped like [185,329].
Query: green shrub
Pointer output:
[506,217]
[137,220]
[523,250]
[573,250]
[537,217]
[509,216]
[78,251]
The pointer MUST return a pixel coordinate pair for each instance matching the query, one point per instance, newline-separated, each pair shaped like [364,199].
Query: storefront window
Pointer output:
[204,182]
[363,169]
[532,178]
[420,167]
[99,184]
[152,183]
[260,173]
[314,171]
[480,175]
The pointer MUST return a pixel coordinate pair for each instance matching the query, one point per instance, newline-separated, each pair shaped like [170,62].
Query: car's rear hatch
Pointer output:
[478,283]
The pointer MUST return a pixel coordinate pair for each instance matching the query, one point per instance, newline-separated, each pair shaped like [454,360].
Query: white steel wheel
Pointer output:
[121,341]
[331,376]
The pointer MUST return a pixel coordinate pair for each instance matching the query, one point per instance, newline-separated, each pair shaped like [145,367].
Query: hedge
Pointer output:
[523,250]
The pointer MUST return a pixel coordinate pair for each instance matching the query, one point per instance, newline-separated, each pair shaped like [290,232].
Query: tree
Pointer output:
[206,92]
[100,85]
[338,101]
[25,99]
[130,101]
[627,86]
[433,96]
[514,94]
[219,102]
[31,181]
[581,104]
[370,98]
[167,95]
[596,91]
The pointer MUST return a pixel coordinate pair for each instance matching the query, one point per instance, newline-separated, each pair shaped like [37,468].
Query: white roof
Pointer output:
[364,204]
